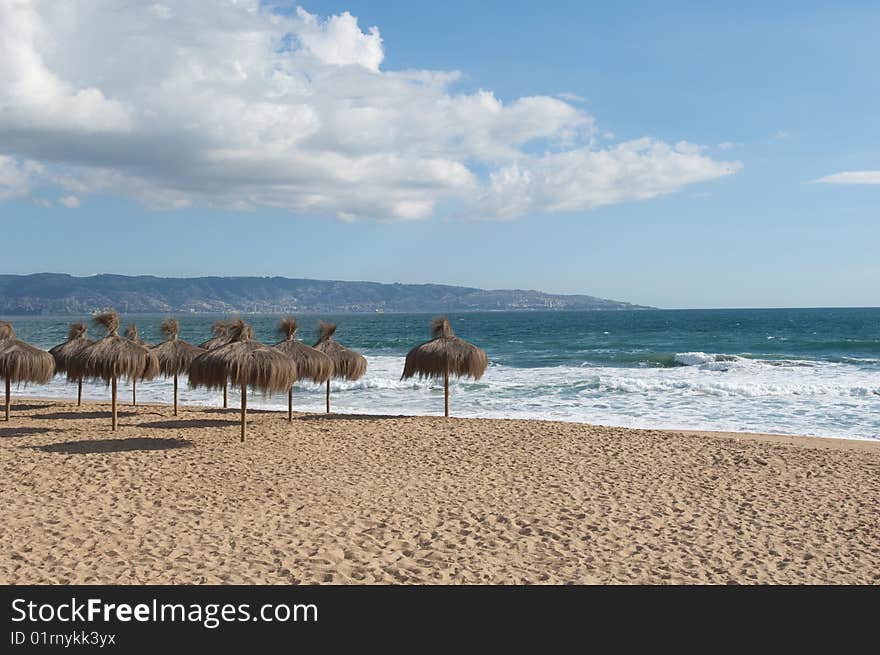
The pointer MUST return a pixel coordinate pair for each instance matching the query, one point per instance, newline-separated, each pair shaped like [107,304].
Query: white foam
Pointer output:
[709,392]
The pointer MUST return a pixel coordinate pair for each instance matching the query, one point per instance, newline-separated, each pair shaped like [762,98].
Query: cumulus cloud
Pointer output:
[17,178]
[240,105]
[71,202]
[571,97]
[583,178]
[851,177]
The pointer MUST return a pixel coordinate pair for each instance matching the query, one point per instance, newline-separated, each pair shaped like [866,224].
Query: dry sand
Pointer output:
[352,499]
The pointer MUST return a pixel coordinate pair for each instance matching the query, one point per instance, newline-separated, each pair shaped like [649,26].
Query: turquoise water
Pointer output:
[806,371]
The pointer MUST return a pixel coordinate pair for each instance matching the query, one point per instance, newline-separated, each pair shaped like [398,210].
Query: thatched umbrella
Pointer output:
[131,333]
[174,355]
[311,364]
[65,352]
[221,330]
[22,362]
[244,363]
[347,364]
[445,355]
[113,357]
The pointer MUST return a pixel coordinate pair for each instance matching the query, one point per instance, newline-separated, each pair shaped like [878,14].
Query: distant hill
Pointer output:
[55,293]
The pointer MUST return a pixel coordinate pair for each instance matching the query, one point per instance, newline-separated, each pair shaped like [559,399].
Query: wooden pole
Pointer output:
[290,404]
[7,399]
[328,396]
[175,394]
[243,410]
[446,391]
[134,386]
[224,395]
[113,395]
[79,393]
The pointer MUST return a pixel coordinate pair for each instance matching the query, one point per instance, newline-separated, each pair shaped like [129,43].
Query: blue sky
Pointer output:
[770,99]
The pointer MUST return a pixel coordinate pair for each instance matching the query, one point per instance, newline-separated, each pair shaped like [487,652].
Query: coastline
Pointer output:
[790,439]
[376,499]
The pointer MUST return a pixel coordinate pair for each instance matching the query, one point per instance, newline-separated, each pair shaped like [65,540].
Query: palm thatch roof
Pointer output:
[131,333]
[22,362]
[6,331]
[346,363]
[445,354]
[243,362]
[113,356]
[174,354]
[221,330]
[311,364]
[65,352]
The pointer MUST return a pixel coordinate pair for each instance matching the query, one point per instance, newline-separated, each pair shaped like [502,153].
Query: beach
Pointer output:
[372,499]
[806,372]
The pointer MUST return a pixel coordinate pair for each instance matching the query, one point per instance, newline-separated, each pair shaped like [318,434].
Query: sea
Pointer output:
[788,371]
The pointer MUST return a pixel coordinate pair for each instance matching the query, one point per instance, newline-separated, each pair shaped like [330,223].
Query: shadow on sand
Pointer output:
[92,446]
[237,410]
[25,407]
[21,432]
[182,423]
[350,417]
[76,415]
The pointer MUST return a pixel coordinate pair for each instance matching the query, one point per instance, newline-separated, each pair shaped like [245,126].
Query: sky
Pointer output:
[668,154]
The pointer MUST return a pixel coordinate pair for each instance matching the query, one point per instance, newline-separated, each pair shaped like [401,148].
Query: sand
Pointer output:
[357,499]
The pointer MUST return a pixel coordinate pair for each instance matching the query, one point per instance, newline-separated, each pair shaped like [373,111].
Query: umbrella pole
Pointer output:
[224,395]
[134,398]
[328,396]
[243,410]
[290,404]
[113,402]
[7,399]
[446,391]
[175,394]
[79,393]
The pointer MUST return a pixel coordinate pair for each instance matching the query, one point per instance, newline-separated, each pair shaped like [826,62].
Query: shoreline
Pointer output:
[790,439]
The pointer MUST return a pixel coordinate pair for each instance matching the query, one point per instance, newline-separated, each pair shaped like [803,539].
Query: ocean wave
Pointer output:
[751,391]
[703,359]
[724,362]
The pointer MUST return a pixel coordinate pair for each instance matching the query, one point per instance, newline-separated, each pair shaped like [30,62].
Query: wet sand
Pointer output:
[367,499]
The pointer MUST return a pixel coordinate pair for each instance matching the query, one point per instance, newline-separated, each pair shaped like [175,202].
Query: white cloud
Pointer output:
[71,202]
[161,11]
[338,40]
[17,177]
[851,177]
[42,202]
[32,96]
[727,145]
[239,106]
[571,97]
[584,179]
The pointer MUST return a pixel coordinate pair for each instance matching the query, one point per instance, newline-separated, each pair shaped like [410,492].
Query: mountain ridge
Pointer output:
[60,293]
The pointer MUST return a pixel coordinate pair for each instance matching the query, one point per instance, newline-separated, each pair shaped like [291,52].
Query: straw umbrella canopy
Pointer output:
[445,355]
[347,364]
[311,364]
[222,335]
[113,357]
[245,363]
[174,354]
[65,352]
[131,333]
[221,330]
[22,362]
